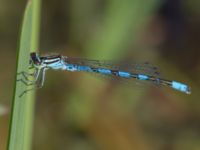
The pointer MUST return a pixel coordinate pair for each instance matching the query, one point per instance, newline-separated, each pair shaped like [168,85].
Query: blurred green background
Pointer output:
[79,111]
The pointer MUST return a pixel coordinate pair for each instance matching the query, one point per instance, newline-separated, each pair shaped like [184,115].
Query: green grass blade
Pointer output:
[20,134]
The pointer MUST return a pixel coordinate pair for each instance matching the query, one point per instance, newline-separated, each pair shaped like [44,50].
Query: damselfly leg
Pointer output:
[25,77]
[37,79]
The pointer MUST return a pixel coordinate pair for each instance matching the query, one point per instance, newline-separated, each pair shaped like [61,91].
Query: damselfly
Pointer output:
[125,70]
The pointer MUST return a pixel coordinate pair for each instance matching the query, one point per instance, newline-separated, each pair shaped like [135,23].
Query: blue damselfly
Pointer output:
[126,70]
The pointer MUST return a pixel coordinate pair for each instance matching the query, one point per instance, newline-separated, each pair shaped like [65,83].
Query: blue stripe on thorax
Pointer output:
[55,65]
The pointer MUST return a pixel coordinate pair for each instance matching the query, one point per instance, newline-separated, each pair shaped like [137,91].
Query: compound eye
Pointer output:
[35,58]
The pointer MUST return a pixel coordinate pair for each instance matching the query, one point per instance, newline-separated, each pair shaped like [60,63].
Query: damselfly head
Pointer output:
[35,59]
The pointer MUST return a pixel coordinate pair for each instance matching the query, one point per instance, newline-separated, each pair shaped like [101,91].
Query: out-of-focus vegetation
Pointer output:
[80,111]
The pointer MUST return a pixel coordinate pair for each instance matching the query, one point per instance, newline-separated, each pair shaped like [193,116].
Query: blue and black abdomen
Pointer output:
[130,75]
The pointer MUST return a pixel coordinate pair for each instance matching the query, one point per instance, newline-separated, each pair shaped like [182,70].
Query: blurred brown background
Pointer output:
[77,111]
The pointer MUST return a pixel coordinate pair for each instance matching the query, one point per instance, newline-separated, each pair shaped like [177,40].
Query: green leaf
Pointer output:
[20,133]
